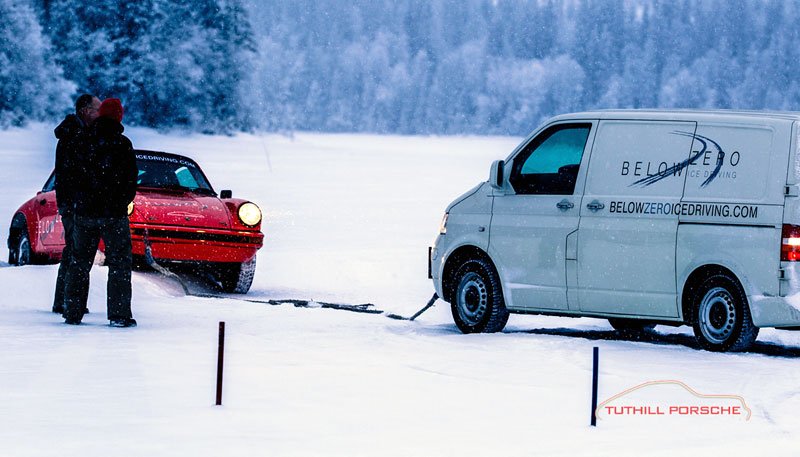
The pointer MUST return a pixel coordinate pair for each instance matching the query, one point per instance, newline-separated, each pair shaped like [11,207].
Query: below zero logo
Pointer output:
[663,170]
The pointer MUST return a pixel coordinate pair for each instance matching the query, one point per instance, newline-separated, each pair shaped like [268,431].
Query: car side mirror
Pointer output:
[226,194]
[496,174]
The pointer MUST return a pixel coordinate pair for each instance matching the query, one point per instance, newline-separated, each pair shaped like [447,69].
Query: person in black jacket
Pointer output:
[105,186]
[72,136]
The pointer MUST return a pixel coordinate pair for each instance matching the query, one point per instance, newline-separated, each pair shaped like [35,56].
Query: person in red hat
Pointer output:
[107,186]
[111,108]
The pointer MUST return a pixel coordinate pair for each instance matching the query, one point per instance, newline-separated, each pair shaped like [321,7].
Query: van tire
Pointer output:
[721,315]
[477,303]
[631,328]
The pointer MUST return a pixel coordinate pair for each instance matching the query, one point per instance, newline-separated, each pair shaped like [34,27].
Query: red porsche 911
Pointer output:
[176,214]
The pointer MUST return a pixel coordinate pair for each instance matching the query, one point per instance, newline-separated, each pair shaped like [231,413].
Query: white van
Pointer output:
[639,217]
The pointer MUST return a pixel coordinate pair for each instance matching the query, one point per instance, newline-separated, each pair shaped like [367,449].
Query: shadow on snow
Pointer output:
[764,348]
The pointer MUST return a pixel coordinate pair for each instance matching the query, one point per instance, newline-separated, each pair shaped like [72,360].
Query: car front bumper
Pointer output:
[193,244]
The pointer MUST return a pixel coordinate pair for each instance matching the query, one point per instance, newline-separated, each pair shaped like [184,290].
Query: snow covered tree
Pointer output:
[522,93]
[411,66]
[31,84]
[173,62]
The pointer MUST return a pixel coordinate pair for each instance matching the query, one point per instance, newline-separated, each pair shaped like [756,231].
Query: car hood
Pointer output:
[180,208]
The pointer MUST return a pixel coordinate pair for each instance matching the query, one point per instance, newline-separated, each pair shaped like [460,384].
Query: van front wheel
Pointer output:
[477,303]
[722,320]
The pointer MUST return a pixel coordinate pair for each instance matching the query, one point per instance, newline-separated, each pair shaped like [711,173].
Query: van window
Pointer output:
[549,164]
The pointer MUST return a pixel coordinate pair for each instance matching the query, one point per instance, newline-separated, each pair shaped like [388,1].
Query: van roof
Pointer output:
[680,114]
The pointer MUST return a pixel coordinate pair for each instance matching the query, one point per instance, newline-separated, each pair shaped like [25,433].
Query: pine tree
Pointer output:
[31,84]
[172,62]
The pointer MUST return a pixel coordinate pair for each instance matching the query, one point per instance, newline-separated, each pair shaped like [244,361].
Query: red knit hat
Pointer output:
[111,108]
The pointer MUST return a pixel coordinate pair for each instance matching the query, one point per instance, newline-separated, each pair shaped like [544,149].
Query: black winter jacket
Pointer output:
[108,172]
[72,144]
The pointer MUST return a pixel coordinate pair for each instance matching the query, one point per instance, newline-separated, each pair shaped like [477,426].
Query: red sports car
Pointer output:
[176,213]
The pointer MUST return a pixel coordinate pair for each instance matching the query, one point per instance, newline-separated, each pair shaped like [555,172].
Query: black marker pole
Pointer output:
[594,386]
[220,354]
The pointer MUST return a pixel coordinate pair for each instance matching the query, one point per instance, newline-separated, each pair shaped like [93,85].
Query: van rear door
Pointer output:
[628,228]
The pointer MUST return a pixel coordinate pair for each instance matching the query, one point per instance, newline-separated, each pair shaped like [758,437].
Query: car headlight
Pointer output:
[130,208]
[249,214]
[443,225]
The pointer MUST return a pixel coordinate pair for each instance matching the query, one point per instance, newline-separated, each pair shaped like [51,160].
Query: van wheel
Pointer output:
[478,305]
[631,328]
[722,320]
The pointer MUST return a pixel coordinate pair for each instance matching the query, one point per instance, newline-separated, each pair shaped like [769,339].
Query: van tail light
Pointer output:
[790,243]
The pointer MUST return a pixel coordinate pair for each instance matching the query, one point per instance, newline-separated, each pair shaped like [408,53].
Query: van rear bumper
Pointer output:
[783,310]
[775,311]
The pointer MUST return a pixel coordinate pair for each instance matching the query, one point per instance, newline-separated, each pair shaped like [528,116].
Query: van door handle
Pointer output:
[595,206]
[564,205]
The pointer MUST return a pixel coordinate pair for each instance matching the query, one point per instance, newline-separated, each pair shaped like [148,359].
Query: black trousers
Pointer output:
[116,235]
[59,300]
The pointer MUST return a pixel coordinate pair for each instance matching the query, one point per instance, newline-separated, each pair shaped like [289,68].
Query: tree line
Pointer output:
[399,66]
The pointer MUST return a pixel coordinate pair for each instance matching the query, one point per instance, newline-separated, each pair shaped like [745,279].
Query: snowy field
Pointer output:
[348,219]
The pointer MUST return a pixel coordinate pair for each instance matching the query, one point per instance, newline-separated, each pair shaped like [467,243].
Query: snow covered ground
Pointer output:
[348,219]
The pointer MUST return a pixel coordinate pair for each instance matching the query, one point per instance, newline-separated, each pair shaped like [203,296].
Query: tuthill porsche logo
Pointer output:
[710,154]
[674,398]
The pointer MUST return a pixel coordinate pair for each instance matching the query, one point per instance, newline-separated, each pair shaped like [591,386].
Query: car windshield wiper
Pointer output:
[203,190]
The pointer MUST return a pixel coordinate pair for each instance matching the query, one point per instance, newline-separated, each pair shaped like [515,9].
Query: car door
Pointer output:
[628,224]
[50,232]
[533,216]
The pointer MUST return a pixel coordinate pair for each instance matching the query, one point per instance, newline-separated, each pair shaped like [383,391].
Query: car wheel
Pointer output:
[237,278]
[631,328]
[722,320]
[13,255]
[23,249]
[477,303]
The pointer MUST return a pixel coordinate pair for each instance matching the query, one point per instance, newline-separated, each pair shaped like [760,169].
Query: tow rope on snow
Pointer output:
[418,313]
[367,308]
[148,257]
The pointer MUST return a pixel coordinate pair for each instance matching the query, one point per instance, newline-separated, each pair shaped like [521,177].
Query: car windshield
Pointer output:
[167,172]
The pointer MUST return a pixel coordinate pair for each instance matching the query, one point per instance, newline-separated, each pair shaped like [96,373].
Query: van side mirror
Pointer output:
[225,194]
[496,174]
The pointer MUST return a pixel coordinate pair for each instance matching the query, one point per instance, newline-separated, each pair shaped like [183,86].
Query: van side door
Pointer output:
[536,212]
[628,225]
[732,209]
